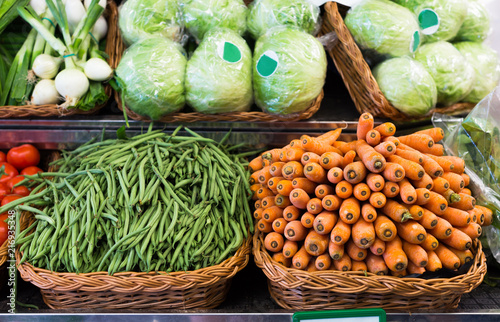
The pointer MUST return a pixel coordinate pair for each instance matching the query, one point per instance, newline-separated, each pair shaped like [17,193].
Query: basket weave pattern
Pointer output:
[48,110]
[301,290]
[358,77]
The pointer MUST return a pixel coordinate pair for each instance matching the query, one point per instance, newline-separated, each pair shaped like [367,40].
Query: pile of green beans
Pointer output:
[155,202]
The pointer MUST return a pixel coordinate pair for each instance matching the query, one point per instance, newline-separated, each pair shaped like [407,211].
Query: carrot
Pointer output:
[458,163]
[291,213]
[440,185]
[299,198]
[301,259]
[271,155]
[437,149]
[429,220]
[355,172]
[278,257]
[400,274]
[407,192]
[416,212]
[309,157]
[373,161]
[378,247]
[267,202]
[426,182]
[375,181]
[331,202]
[284,187]
[292,170]
[394,255]
[423,196]
[323,262]
[376,265]
[296,143]
[354,251]
[264,226]
[316,244]
[412,169]
[315,173]
[393,172]
[416,254]
[447,257]
[314,206]
[292,154]
[361,191]
[264,175]
[263,192]
[304,184]
[295,231]
[368,212]
[274,242]
[349,157]
[392,139]
[335,175]
[466,191]
[345,147]
[340,233]
[391,189]
[378,199]
[350,210]
[343,189]
[255,164]
[430,243]
[419,142]
[465,256]
[386,148]
[307,220]
[396,211]
[437,203]
[411,231]
[266,162]
[414,269]
[323,190]
[445,163]
[324,222]
[436,133]
[257,214]
[276,168]
[271,213]
[456,217]
[335,251]
[258,204]
[358,266]
[282,201]
[330,160]
[279,225]
[434,263]
[373,137]
[386,129]
[290,248]
[330,136]
[431,167]
[472,230]
[254,178]
[311,267]
[310,144]
[363,233]
[411,155]
[466,178]
[488,215]
[365,124]
[272,184]
[478,214]
[385,228]
[344,264]
[456,181]
[442,230]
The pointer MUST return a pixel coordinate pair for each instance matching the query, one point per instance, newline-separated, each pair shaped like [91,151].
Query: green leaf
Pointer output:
[121,133]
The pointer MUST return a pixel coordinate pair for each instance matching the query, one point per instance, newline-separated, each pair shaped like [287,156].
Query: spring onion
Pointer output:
[45,92]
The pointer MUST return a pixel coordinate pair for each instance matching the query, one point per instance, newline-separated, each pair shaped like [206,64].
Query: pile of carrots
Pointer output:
[381,204]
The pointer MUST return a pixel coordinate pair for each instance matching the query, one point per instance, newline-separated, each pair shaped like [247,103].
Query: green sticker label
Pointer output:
[267,63]
[229,52]
[429,21]
[415,41]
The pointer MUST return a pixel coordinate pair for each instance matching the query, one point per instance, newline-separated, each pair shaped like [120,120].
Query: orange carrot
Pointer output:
[323,262]
[284,187]
[355,172]
[363,233]
[296,143]
[276,168]
[430,243]
[315,173]
[368,212]
[394,255]
[344,264]
[393,172]
[447,257]
[458,163]
[373,161]
[274,242]
[416,254]
[292,170]
[340,233]
[278,257]
[365,124]
[416,212]
[272,184]
[385,228]
[440,185]
[434,263]
[271,155]
[436,133]
[446,164]
[291,154]
[256,164]
[376,265]
[396,211]
[271,213]
[335,175]
[423,196]
[466,178]
[437,149]
[391,189]
[431,167]
[349,156]
[307,220]
[478,214]
[465,256]
[310,144]
[316,244]
[386,129]
[407,192]
[412,169]
[335,251]
[264,226]
[411,231]
[378,199]
[358,266]
[392,139]
[309,157]
[376,182]
[378,247]
[299,198]
[442,230]
[311,267]
[354,251]
[257,214]
[429,220]
[426,182]
[295,231]
[456,217]
[282,201]
[264,175]
[330,160]
[343,189]
[451,196]
[304,184]
[279,225]
[411,155]
[458,240]
[323,190]
[345,147]
[290,248]
[291,213]
[267,202]
[254,178]
[350,210]
[456,181]
[414,269]
[258,204]
[373,137]
[488,215]
[263,192]
[419,142]
[437,203]
[301,259]
[473,230]
[267,162]
[361,191]
[330,136]
[331,202]
[386,148]
[314,206]
[324,222]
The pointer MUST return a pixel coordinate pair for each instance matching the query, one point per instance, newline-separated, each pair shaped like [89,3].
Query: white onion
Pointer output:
[72,84]
[98,69]
[46,66]
[102,3]
[75,11]
[45,92]
[40,6]
[100,28]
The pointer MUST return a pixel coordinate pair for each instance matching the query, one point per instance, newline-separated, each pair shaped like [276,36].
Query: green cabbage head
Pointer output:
[219,74]
[265,14]
[476,25]
[140,19]
[407,85]
[151,74]
[289,70]
[202,15]
[384,26]
[485,62]
[453,75]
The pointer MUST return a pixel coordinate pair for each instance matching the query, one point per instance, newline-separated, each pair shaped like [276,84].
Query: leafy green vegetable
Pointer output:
[407,85]
[219,74]
[384,26]
[289,70]
[8,11]
[453,75]
[476,25]
[151,75]
[140,19]
[202,15]
[265,14]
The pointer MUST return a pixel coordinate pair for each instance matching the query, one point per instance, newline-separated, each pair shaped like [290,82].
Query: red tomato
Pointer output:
[23,156]
[22,191]
[12,182]
[31,171]
[4,228]
[10,172]
[3,157]
[9,198]
[4,190]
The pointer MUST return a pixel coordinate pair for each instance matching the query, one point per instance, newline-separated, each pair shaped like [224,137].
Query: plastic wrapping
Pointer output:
[200,16]
[439,19]
[453,75]
[141,19]
[407,85]
[219,74]
[384,26]
[486,65]
[266,14]
[289,70]
[476,25]
[151,74]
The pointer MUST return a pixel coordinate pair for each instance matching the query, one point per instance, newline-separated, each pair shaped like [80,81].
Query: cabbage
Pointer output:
[476,25]
[484,60]
[450,16]
[289,70]
[407,85]
[219,74]
[151,74]
[265,14]
[453,75]
[384,26]
[202,15]
[140,19]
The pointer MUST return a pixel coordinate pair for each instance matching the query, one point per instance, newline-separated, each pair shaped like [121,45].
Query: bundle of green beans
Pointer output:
[156,202]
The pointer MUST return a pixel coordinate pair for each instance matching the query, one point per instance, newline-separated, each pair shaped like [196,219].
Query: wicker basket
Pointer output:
[358,77]
[301,290]
[50,110]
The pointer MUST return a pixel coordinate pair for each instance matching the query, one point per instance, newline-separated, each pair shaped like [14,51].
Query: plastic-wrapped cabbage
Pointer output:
[407,85]
[476,25]
[202,15]
[219,74]
[485,62]
[453,75]
[151,74]
[384,26]
[265,14]
[140,19]
[439,19]
[289,70]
